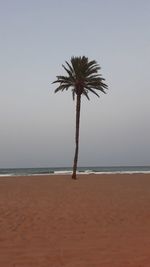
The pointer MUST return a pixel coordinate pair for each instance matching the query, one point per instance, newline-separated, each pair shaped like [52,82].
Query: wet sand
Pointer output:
[96,221]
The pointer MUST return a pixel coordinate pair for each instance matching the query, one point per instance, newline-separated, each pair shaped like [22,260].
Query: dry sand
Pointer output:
[96,221]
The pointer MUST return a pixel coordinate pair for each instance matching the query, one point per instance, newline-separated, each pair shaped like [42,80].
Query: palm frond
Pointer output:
[73,94]
[62,79]
[62,88]
[85,92]
[92,70]
[91,90]
[70,74]
[71,69]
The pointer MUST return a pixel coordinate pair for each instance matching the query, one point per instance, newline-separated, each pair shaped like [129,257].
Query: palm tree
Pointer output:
[82,78]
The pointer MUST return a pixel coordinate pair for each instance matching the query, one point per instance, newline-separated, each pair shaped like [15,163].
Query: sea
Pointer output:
[68,170]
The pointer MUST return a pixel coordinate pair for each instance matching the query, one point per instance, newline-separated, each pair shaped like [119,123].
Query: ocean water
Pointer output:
[68,170]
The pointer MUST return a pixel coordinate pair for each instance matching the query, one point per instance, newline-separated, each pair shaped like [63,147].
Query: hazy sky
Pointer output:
[36,125]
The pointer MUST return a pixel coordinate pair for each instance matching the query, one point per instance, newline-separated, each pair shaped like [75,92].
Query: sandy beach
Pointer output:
[96,221]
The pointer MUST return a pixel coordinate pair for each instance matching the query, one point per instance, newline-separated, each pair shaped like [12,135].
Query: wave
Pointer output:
[88,172]
[114,172]
[68,171]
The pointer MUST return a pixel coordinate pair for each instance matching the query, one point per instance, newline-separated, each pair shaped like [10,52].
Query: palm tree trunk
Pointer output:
[78,104]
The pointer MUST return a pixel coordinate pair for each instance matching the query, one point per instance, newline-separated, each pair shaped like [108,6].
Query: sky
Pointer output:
[37,127]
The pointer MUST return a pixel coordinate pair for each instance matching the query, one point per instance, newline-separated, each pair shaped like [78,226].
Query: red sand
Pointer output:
[96,221]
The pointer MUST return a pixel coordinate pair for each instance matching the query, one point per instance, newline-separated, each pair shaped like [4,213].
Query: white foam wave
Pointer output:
[116,172]
[88,172]
[7,175]
[85,172]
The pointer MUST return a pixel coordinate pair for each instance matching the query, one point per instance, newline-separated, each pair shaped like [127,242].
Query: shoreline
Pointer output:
[96,220]
[78,174]
[80,171]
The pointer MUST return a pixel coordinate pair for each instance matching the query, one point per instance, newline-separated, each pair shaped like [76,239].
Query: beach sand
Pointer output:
[96,221]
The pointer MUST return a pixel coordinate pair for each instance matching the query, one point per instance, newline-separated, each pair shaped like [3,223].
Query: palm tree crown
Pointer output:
[83,77]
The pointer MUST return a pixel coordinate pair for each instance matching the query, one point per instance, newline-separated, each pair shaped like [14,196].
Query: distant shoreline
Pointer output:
[78,175]
[68,170]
